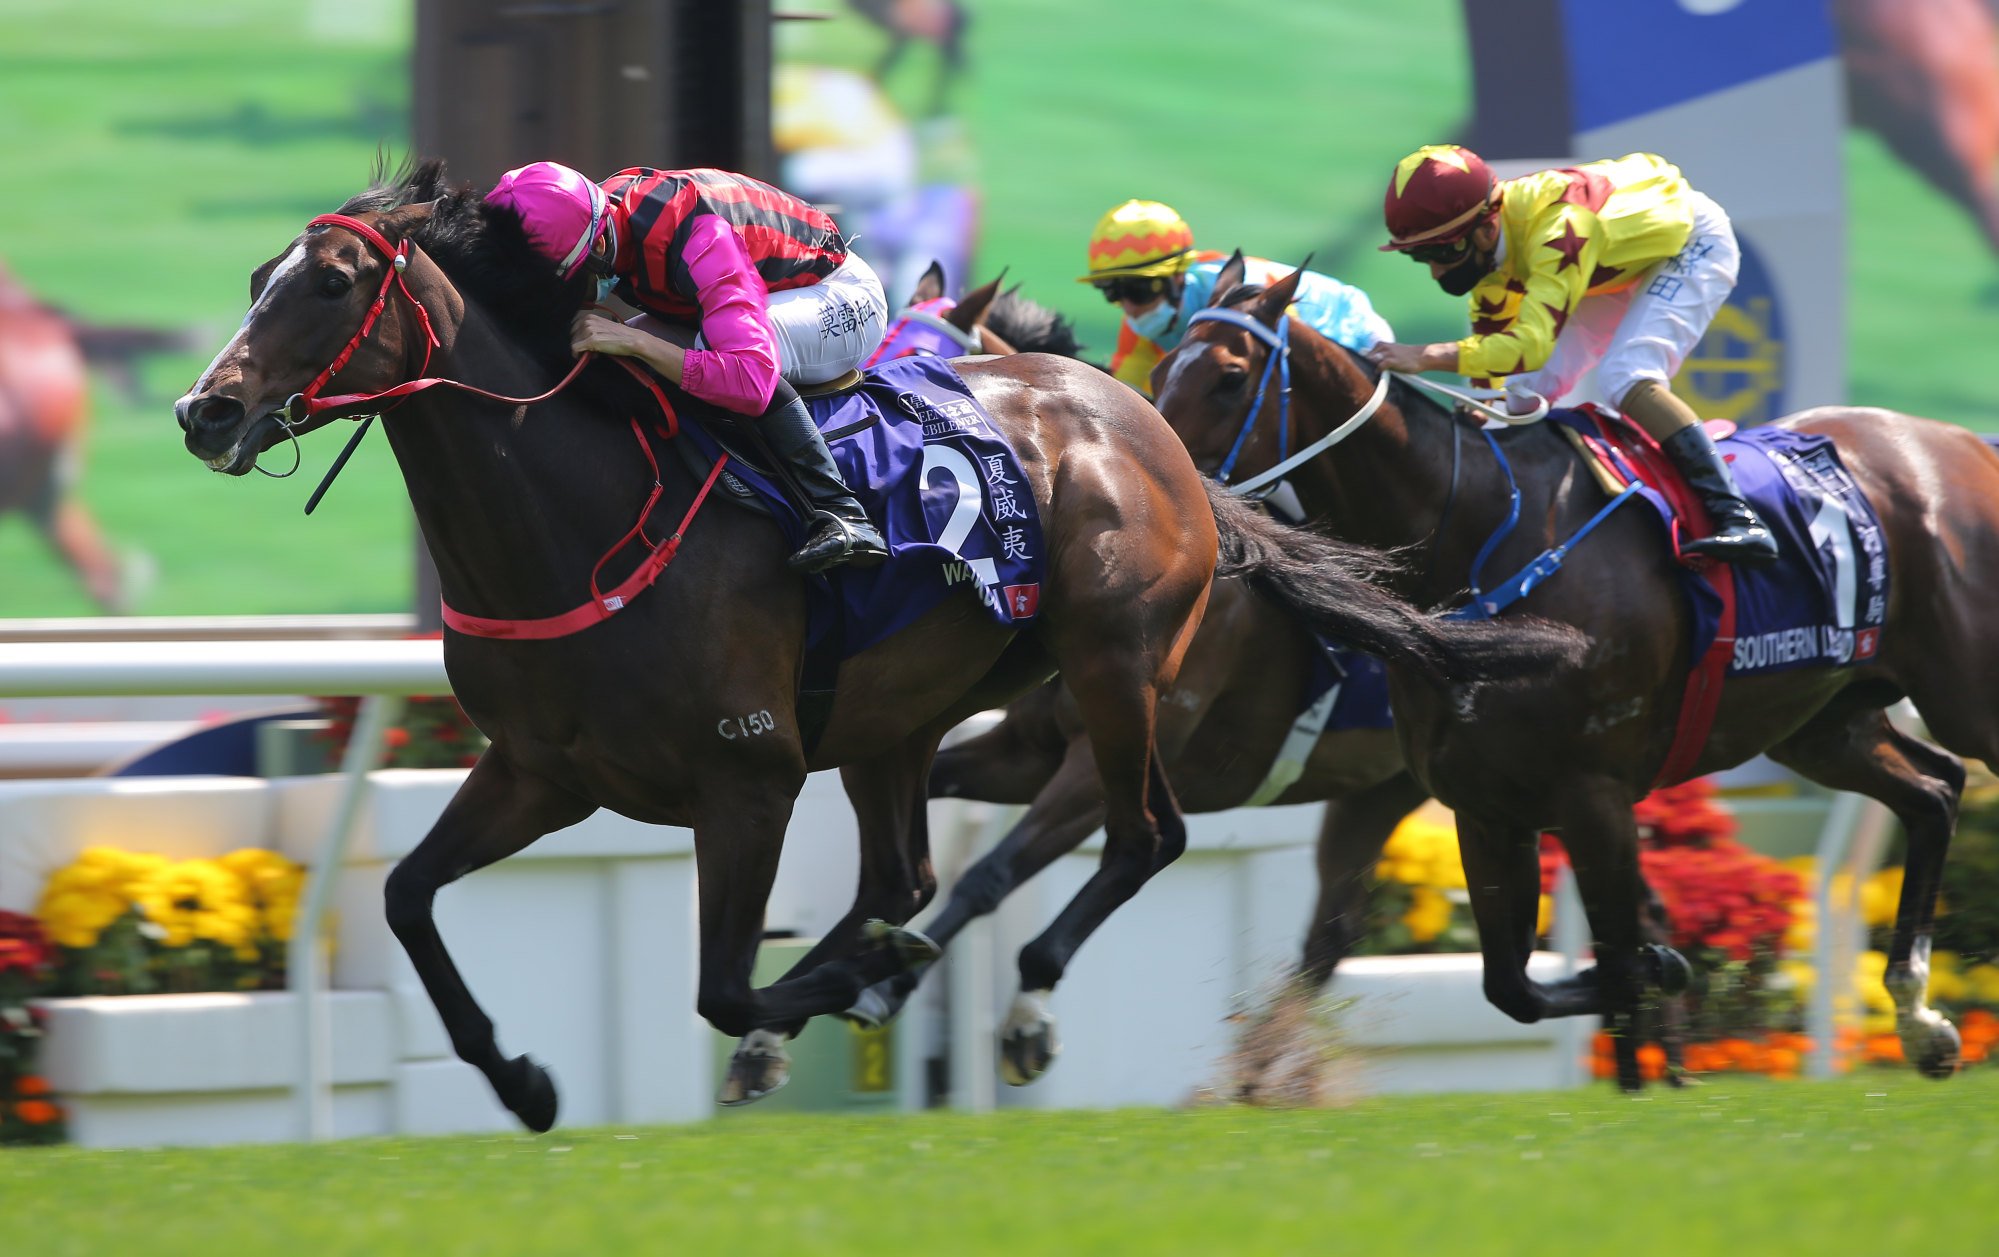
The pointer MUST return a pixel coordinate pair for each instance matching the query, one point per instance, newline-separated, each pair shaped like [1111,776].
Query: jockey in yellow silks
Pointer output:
[1617,264]
[1143,260]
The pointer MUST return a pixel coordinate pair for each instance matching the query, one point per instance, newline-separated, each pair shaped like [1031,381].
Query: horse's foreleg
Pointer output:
[1602,841]
[1503,877]
[497,812]
[1009,763]
[1068,810]
[1863,752]
[896,882]
[1143,833]
[738,835]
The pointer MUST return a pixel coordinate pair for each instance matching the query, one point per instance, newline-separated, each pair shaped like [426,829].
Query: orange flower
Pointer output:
[37,1112]
[1884,1049]
[1652,1062]
[1782,1061]
[31,1085]
[397,737]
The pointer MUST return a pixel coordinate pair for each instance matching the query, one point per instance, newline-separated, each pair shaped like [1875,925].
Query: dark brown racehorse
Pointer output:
[1575,754]
[636,712]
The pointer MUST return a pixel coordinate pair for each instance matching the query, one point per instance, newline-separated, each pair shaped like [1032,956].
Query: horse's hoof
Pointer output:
[912,947]
[1667,969]
[1026,1056]
[1936,1050]
[1028,1045]
[761,1065]
[529,1094]
[873,1008]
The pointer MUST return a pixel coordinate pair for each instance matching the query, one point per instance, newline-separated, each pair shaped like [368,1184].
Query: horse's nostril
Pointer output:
[209,412]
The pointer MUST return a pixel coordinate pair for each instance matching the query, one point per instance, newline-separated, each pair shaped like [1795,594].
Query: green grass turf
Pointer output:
[157,153]
[1885,1164]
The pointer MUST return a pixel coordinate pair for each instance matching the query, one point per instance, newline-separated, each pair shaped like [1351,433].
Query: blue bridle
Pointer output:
[1279,343]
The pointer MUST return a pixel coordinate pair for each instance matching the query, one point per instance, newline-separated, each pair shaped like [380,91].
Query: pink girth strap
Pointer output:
[602,606]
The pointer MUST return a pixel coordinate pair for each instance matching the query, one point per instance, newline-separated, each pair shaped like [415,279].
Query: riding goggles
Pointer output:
[1450,251]
[1131,288]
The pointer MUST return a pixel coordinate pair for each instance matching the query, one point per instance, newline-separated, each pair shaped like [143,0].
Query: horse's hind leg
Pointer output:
[1135,848]
[896,881]
[1351,837]
[497,812]
[1855,748]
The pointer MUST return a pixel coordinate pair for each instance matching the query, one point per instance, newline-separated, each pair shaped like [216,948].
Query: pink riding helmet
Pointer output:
[562,209]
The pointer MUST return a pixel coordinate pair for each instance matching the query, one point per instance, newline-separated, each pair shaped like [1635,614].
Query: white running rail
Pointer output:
[383,672]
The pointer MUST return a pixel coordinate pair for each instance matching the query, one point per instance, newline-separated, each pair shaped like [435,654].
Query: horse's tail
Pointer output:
[1332,586]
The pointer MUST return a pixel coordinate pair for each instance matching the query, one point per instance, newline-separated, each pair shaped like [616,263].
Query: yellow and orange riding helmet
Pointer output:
[1139,238]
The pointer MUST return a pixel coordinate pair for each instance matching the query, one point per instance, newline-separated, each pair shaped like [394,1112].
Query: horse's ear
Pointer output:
[1230,276]
[1278,297]
[972,311]
[930,285]
[405,220]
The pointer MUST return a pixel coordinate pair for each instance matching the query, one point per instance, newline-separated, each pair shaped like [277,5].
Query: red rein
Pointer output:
[602,606]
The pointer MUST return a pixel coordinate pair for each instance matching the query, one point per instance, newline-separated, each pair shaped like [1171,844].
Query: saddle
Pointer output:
[737,436]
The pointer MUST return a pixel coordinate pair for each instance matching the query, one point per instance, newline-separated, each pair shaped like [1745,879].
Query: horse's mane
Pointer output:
[1032,327]
[485,251]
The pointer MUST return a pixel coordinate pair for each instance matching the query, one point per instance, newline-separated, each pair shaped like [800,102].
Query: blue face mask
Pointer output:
[605,287]
[1156,324]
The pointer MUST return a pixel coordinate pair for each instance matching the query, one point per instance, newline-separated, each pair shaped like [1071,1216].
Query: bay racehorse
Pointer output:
[1574,755]
[676,704]
[1227,728]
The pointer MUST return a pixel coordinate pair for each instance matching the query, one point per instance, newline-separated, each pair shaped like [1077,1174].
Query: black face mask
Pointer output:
[1464,277]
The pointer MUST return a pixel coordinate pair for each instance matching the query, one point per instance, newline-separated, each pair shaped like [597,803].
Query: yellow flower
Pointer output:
[1879,896]
[1429,913]
[1424,852]
[200,899]
[1800,976]
[1947,981]
[85,896]
[1984,983]
[1803,933]
[272,883]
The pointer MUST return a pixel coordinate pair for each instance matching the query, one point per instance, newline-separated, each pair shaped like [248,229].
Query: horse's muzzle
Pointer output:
[218,429]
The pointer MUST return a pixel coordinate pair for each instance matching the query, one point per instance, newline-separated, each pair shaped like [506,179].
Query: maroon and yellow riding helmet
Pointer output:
[1437,194]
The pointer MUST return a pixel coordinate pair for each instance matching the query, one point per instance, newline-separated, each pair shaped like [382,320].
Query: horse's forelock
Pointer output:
[1239,294]
[482,247]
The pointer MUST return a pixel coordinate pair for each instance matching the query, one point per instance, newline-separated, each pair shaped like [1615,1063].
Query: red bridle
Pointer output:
[602,605]
[307,401]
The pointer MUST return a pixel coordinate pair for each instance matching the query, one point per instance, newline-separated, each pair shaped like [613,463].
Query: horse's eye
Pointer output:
[1231,382]
[334,284]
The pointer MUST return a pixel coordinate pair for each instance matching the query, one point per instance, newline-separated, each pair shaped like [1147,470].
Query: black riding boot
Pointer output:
[1739,537]
[840,530]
